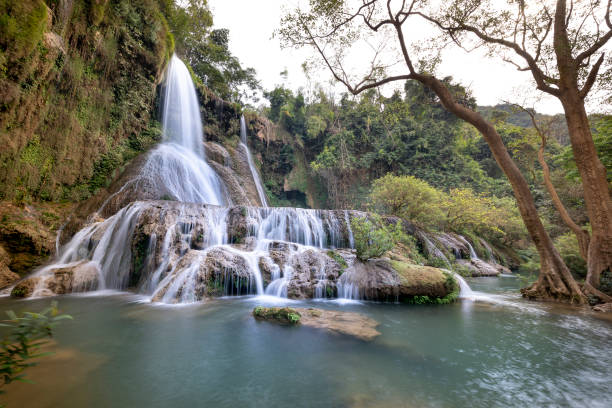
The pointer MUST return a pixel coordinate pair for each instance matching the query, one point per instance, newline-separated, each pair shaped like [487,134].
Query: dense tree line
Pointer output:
[405,155]
[562,46]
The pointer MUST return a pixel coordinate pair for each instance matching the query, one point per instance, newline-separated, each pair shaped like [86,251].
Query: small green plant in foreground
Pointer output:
[26,335]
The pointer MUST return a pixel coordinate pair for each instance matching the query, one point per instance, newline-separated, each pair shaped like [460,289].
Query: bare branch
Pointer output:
[582,235]
[569,14]
[597,44]
[542,80]
[588,84]
[343,78]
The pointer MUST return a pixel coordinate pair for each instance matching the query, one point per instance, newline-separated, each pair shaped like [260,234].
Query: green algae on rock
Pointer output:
[334,321]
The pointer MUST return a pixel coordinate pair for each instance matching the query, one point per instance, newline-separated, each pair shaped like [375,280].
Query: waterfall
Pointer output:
[464,289]
[181,119]
[178,250]
[296,225]
[177,169]
[489,250]
[473,254]
[278,286]
[433,250]
[254,174]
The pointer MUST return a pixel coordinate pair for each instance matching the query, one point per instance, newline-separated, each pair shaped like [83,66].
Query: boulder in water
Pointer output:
[391,280]
[605,308]
[334,321]
[478,267]
[78,277]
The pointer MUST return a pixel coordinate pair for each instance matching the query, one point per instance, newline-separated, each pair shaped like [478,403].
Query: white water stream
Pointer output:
[256,179]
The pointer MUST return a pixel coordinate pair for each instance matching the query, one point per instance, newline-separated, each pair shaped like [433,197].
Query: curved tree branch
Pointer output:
[543,81]
[582,235]
[591,78]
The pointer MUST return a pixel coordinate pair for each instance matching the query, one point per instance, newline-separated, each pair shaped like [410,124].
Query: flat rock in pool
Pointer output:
[348,323]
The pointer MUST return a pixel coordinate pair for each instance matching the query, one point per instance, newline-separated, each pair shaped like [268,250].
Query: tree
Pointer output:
[582,235]
[409,198]
[332,27]
[207,50]
[563,47]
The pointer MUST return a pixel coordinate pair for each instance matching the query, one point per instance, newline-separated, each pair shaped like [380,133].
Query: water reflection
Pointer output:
[472,353]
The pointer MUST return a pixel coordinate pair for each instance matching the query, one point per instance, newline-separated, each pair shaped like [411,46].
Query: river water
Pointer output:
[498,351]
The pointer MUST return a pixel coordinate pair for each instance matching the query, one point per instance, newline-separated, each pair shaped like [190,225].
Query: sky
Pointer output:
[252,23]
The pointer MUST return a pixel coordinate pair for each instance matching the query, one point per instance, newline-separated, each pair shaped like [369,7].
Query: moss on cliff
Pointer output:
[78,83]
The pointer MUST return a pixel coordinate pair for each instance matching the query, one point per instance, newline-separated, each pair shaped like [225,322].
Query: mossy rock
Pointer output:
[282,315]
[425,284]
[332,321]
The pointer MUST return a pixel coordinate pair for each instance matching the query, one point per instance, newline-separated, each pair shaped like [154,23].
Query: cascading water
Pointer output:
[186,249]
[256,179]
[177,168]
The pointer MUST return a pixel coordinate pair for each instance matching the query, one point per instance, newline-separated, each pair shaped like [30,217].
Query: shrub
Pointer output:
[339,260]
[27,334]
[373,238]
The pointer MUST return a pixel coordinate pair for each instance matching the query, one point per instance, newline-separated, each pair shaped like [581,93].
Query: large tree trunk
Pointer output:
[582,235]
[555,280]
[592,172]
[596,192]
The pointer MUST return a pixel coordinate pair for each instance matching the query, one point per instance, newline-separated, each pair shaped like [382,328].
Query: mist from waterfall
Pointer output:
[243,142]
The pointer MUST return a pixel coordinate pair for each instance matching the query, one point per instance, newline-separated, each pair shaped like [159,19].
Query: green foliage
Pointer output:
[409,198]
[602,138]
[19,292]
[283,315]
[373,237]
[206,50]
[104,168]
[453,288]
[460,210]
[462,270]
[360,139]
[294,318]
[69,103]
[567,245]
[530,265]
[339,260]
[26,335]
[436,262]
[22,24]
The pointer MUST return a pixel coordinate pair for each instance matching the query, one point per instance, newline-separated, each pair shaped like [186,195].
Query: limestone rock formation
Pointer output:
[7,277]
[334,321]
[74,278]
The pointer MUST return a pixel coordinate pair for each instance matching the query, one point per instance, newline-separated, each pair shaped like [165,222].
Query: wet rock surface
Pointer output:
[334,321]
[603,308]
[27,237]
[79,277]
[181,253]
[478,267]
[7,277]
